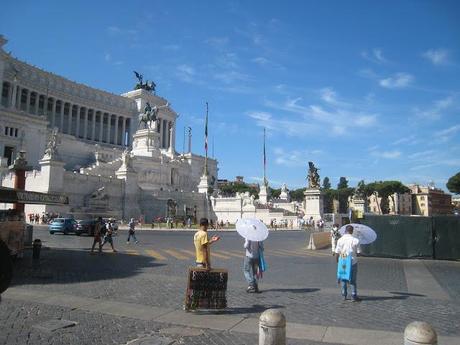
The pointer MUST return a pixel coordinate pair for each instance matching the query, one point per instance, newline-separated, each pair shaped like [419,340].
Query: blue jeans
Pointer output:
[354,289]
[249,270]
[131,234]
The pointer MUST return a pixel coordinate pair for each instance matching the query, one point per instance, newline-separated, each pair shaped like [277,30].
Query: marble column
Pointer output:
[109,120]
[123,133]
[53,113]
[61,126]
[28,100]
[115,139]
[69,127]
[14,96]
[77,130]
[37,102]
[93,124]
[160,124]
[85,123]
[101,122]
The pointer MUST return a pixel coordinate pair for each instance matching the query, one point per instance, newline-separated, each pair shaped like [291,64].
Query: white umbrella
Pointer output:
[252,229]
[362,232]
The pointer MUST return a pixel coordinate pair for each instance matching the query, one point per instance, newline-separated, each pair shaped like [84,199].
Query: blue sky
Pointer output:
[365,89]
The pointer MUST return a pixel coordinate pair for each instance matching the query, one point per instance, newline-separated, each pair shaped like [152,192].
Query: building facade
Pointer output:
[104,153]
[430,201]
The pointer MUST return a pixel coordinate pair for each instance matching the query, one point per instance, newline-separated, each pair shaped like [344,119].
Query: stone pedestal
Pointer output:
[203,186]
[131,192]
[360,205]
[263,194]
[52,174]
[146,143]
[313,203]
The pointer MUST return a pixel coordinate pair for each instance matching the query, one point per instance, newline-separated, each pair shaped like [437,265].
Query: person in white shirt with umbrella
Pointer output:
[348,246]
[254,232]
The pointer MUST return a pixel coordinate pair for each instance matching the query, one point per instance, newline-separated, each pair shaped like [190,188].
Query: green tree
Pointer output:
[343,183]
[326,183]
[385,190]
[453,184]
[297,194]
[328,200]
[274,193]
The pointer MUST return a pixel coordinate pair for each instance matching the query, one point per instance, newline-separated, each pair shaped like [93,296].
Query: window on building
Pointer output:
[8,154]
[422,198]
[422,204]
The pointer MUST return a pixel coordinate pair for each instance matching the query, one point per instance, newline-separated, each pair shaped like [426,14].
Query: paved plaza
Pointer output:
[138,292]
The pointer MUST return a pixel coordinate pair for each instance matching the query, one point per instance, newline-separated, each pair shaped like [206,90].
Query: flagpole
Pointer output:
[205,173]
[265,163]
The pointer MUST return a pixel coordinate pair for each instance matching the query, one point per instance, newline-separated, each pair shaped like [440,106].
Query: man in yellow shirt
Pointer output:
[202,245]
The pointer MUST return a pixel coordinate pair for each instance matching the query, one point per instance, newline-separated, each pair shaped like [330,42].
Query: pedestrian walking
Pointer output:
[131,231]
[108,236]
[97,235]
[348,247]
[202,245]
[335,235]
[251,264]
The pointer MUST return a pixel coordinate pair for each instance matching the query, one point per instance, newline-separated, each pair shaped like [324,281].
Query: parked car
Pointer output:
[64,225]
[85,226]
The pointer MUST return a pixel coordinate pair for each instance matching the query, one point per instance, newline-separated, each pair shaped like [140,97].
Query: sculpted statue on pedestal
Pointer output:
[313,176]
[51,147]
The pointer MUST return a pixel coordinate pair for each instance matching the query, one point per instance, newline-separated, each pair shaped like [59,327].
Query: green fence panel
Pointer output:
[400,237]
[447,237]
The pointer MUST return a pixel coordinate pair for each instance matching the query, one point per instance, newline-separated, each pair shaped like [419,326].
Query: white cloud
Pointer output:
[388,154]
[340,116]
[328,95]
[376,56]
[397,81]
[294,158]
[260,61]
[435,111]
[287,127]
[108,58]
[448,133]
[437,56]
[185,73]
[229,77]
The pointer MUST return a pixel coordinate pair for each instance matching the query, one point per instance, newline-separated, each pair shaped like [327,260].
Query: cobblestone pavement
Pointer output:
[299,283]
[18,319]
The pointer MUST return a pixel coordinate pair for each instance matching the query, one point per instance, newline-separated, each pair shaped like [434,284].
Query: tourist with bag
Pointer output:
[108,236]
[131,231]
[347,263]
[254,264]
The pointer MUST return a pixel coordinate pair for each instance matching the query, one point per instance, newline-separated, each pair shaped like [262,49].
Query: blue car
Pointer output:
[64,225]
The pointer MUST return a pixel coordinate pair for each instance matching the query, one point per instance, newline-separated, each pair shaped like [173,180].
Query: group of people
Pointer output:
[103,233]
[251,266]
[45,218]
[342,246]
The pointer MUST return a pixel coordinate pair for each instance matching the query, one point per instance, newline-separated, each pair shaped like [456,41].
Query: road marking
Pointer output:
[176,254]
[155,254]
[236,255]
[215,253]
[131,252]
[420,281]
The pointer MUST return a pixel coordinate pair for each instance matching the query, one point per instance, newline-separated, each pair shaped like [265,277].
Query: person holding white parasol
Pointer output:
[254,233]
[347,248]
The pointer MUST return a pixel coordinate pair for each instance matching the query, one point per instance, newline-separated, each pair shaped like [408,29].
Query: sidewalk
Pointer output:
[225,320]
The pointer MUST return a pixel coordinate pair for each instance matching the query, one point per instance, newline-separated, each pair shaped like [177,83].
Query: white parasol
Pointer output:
[252,229]
[362,232]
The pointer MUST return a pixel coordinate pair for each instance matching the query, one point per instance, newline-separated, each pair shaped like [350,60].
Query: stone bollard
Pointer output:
[272,328]
[420,333]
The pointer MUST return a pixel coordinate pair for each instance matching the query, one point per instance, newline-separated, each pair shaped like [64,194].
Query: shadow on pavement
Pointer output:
[383,298]
[67,266]
[301,290]
[254,309]
[407,294]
